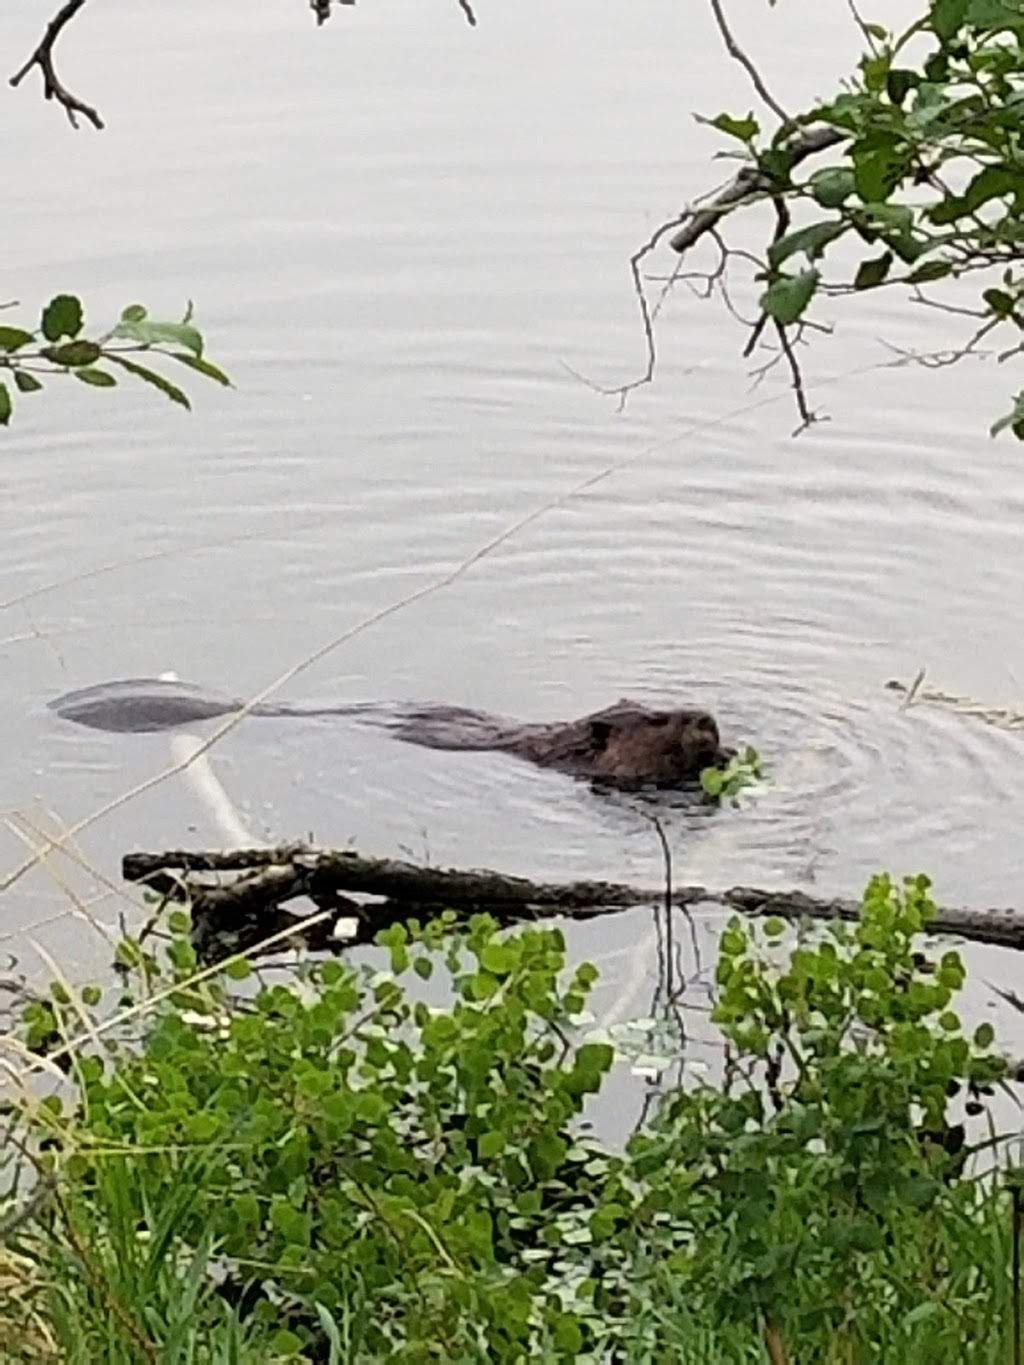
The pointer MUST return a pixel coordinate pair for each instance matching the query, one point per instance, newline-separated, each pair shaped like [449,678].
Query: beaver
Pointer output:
[627,745]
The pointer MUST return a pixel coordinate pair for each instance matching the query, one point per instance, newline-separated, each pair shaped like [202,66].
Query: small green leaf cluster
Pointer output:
[929,176]
[745,769]
[58,346]
[820,1188]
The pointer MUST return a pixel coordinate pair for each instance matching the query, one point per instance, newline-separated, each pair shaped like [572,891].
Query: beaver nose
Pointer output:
[724,755]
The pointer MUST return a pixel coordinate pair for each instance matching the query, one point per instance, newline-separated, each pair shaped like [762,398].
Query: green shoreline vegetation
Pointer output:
[251,1164]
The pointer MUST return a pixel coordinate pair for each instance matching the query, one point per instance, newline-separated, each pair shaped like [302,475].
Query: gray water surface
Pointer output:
[399,232]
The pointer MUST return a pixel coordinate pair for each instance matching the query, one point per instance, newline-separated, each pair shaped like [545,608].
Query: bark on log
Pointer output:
[250,906]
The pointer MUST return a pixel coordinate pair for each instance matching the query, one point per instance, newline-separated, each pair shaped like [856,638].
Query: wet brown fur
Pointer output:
[627,745]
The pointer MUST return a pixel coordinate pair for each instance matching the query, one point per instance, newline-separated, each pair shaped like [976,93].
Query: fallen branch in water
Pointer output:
[1003,717]
[230,915]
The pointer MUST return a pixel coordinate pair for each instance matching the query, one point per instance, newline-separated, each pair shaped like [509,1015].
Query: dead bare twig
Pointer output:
[53,87]
[807,416]
[736,52]
[647,316]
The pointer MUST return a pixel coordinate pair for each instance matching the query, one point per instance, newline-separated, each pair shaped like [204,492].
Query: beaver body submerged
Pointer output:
[627,745]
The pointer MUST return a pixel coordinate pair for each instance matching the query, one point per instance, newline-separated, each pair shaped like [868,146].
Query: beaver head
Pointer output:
[636,746]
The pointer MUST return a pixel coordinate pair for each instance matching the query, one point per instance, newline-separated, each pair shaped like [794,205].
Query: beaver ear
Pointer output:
[600,730]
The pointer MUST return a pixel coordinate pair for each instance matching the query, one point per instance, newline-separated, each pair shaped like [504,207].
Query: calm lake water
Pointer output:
[401,235]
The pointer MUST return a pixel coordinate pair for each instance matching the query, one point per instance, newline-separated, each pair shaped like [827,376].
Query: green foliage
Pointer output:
[409,1167]
[820,1191]
[122,1274]
[745,769]
[926,172]
[787,297]
[66,351]
[321,1165]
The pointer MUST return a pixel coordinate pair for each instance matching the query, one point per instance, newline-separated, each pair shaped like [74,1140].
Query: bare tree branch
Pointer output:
[807,417]
[647,316]
[53,88]
[273,876]
[735,51]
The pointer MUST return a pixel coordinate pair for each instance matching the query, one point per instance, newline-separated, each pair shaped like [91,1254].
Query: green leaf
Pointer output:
[919,1191]
[149,333]
[285,1343]
[6,406]
[992,182]
[899,82]
[1014,419]
[922,1313]
[62,317]
[984,1035]
[134,313]
[876,174]
[946,211]
[25,382]
[151,377]
[811,240]
[99,378]
[491,1144]
[947,16]
[744,129]
[567,1336]
[875,70]
[13,338]
[202,366]
[832,186]
[929,271]
[498,958]
[873,272]
[1000,302]
[997,17]
[892,219]
[594,1058]
[786,299]
[72,353]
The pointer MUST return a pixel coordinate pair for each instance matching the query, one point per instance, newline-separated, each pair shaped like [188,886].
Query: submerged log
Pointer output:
[250,906]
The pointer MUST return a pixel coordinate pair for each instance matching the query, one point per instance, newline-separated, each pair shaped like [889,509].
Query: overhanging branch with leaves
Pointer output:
[925,176]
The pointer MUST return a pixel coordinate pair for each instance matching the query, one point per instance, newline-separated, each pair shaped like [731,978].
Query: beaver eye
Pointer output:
[658,720]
